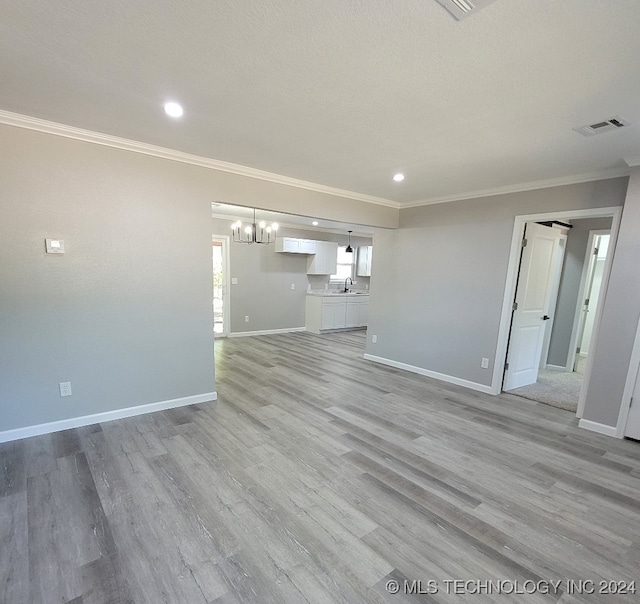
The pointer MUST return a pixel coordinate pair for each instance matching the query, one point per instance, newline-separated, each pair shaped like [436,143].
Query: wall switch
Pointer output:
[246,318]
[326,286]
[65,388]
[234,280]
[54,246]
[293,286]
[485,363]
[374,339]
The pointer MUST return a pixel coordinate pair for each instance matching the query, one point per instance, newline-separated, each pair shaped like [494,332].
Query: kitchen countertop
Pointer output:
[325,293]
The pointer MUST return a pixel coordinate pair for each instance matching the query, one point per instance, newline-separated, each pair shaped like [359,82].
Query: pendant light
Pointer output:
[349,249]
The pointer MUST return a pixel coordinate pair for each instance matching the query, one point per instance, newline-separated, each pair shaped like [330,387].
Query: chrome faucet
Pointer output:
[346,289]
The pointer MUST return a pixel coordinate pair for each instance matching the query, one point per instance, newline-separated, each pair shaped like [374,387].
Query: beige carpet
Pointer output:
[556,388]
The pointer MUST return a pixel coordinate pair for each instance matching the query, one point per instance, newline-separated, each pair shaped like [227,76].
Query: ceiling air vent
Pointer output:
[461,9]
[607,126]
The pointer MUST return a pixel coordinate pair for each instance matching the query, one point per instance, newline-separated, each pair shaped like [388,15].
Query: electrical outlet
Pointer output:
[234,280]
[246,318]
[485,363]
[366,286]
[374,339]
[65,388]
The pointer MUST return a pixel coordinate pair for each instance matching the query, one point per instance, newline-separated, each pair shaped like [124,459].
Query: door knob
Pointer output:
[546,318]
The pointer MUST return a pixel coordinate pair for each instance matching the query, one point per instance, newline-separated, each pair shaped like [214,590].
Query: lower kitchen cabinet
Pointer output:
[344,311]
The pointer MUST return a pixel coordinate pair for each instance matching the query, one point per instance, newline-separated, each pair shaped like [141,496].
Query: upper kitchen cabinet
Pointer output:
[363,268]
[293,245]
[325,260]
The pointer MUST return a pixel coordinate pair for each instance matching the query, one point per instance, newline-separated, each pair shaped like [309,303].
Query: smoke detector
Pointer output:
[461,9]
[606,126]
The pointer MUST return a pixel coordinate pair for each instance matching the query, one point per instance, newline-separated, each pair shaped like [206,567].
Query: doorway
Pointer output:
[220,257]
[527,350]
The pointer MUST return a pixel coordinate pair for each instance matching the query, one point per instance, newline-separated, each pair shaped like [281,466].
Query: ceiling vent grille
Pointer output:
[606,126]
[461,9]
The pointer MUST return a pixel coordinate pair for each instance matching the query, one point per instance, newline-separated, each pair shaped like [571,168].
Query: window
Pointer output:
[345,265]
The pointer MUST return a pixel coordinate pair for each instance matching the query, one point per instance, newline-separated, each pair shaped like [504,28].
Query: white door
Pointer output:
[531,308]
[632,428]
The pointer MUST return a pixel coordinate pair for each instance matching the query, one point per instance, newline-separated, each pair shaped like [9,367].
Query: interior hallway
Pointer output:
[317,478]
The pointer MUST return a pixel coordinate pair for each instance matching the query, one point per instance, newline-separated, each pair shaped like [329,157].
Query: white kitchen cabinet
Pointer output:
[333,313]
[325,260]
[363,313]
[353,313]
[293,245]
[344,311]
[308,246]
[363,268]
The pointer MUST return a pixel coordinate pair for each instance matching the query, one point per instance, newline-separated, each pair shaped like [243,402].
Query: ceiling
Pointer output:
[342,93]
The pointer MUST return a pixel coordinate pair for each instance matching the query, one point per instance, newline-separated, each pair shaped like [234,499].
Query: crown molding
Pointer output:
[632,162]
[32,123]
[530,186]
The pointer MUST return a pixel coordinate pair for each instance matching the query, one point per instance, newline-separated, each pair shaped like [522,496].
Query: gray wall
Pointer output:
[126,313]
[565,310]
[438,281]
[263,292]
[621,311]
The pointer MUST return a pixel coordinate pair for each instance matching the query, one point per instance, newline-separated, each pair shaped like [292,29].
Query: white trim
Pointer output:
[578,314]
[629,385]
[226,296]
[265,332]
[98,138]
[432,374]
[596,427]
[512,273]
[106,416]
[632,162]
[556,368]
[526,186]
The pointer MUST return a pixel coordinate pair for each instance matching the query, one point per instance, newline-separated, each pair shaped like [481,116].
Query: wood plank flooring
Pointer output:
[319,477]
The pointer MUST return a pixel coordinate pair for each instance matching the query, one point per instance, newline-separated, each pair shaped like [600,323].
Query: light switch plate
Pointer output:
[54,246]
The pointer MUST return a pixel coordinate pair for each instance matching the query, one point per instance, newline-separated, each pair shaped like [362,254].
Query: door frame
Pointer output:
[226,297]
[629,385]
[615,212]
[582,291]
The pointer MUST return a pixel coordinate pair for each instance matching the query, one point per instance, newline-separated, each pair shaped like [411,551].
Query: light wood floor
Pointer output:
[318,477]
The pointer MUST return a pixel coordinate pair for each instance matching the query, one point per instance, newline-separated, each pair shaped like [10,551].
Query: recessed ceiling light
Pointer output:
[173,109]
[398,177]
[315,223]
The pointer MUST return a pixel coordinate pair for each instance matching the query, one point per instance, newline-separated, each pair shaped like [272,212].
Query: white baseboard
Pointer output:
[265,332]
[600,428]
[556,368]
[106,416]
[432,374]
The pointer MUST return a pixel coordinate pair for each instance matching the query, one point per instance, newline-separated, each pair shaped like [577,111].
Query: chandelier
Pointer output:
[254,232]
